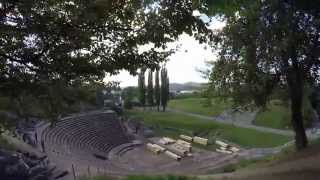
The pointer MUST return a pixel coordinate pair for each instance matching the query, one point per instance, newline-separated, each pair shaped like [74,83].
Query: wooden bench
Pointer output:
[221,143]
[181,150]
[224,151]
[169,140]
[172,155]
[234,149]
[185,137]
[163,142]
[152,148]
[162,149]
[200,140]
[226,148]
[185,145]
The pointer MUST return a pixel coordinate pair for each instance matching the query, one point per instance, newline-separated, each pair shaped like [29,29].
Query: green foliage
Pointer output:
[307,109]
[60,99]
[162,177]
[219,7]
[129,94]
[142,87]
[276,115]
[266,44]
[96,178]
[5,144]
[142,177]
[199,105]
[164,88]
[4,102]
[157,93]
[150,94]
[188,95]
[46,46]
[161,122]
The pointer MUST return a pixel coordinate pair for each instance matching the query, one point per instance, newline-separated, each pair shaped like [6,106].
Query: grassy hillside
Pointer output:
[276,116]
[165,123]
[287,165]
[199,106]
[141,177]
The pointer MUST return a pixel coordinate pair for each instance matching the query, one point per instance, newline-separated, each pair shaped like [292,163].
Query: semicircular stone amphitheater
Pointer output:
[97,139]
[93,133]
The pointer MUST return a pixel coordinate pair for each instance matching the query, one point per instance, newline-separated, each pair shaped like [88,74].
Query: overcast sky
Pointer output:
[182,66]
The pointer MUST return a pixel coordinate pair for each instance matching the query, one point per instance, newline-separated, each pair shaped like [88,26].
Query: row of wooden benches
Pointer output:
[226,148]
[223,147]
[155,148]
[195,139]
[175,149]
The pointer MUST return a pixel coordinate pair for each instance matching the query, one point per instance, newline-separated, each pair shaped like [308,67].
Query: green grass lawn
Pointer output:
[172,124]
[142,177]
[197,105]
[276,116]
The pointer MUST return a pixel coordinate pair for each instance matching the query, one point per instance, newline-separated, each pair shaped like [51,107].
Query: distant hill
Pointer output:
[186,86]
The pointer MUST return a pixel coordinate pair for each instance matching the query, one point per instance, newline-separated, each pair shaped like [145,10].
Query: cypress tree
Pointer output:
[142,88]
[167,87]
[164,88]
[157,89]
[150,89]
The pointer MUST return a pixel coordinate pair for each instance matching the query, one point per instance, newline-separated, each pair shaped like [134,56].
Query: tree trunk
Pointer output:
[163,108]
[296,93]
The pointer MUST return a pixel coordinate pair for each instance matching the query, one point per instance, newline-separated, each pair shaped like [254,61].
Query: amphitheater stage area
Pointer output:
[141,160]
[97,143]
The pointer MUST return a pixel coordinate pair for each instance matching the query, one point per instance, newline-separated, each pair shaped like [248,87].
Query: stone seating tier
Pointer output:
[91,133]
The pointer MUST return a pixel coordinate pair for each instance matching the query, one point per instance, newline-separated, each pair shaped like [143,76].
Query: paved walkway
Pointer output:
[236,123]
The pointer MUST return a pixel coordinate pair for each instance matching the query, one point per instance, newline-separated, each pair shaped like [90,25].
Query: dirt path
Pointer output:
[311,133]
[236,123]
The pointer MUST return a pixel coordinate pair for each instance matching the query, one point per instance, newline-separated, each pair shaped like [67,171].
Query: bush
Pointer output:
[127,104]
[5,144]
[308,113]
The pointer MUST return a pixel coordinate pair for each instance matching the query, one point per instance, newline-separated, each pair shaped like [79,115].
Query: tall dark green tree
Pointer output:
[150,94]
[157,93]
[142,87]
[266,44]
[164,88]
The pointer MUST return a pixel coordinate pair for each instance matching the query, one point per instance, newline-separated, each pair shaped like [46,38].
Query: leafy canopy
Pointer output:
[54,43]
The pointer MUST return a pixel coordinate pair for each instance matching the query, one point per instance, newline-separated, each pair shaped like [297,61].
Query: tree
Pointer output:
[142,87]
[164,88]
[267,44]
[129,94]
[45,43]
[150,89]
[157,93]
